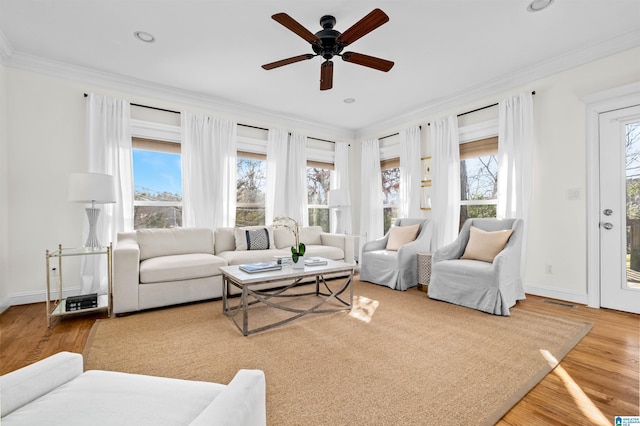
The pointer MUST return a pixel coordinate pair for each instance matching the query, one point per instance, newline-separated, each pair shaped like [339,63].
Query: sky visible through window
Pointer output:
[157,172]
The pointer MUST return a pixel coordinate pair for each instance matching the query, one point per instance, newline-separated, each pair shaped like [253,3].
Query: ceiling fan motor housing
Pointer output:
[327,36]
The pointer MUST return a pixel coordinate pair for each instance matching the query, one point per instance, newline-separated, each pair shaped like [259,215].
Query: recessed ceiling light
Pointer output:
[349,101]
[144,36]
[538,5]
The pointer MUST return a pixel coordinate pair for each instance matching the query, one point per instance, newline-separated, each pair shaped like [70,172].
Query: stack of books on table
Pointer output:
[284,260]
[84,301]
[315,261]
[253,268]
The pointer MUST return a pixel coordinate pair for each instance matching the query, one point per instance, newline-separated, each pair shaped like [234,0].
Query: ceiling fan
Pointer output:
[329,43]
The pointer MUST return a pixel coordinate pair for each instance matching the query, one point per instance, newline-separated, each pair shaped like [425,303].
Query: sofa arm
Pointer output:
[22,386]
[345,242]
[242,403]
[126,273]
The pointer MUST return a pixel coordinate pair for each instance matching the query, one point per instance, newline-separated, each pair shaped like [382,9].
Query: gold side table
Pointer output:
[56,305]
[424,270]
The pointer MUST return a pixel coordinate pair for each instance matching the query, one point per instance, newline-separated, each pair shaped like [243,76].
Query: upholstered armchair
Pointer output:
[481,268]
[394,262]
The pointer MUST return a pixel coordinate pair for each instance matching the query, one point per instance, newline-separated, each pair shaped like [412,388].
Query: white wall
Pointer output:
[4,194]
[558,225]
[46,134]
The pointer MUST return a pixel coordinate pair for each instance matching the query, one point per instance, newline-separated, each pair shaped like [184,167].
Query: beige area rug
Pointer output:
[399,358]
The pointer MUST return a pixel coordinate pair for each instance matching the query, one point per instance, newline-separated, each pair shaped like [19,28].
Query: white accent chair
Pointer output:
[490,287]
[395,269]
[56,391]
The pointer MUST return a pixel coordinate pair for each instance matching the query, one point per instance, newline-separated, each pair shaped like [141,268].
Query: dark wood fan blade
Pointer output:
[287,61]
[326,75]
[363,27]
[368,61]
[296,27]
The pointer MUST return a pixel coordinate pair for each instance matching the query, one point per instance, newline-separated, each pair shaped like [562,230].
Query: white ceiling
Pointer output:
[444,50]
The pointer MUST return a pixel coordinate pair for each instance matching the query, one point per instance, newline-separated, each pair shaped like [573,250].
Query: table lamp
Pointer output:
[338,200]
[94,188]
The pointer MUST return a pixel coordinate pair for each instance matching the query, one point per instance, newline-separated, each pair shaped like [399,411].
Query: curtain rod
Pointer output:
[484,107]
[396,134]
[480,109]
[239,124]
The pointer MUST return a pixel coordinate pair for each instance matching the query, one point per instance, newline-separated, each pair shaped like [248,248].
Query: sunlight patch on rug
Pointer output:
[363,308]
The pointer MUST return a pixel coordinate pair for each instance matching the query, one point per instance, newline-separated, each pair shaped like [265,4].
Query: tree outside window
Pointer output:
[251,190]
[390,194]
[318,184]
[478,179]
[632,163]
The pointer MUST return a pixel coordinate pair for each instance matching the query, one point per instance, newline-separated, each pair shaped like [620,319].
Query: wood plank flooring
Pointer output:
[597,380]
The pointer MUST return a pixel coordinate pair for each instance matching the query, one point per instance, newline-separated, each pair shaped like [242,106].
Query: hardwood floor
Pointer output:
[598,380]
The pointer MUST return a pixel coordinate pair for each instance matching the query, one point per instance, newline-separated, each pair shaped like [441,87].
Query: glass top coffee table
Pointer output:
[333,296]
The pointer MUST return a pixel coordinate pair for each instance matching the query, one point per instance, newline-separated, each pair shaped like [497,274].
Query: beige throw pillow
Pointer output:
[484,245]
[401,235]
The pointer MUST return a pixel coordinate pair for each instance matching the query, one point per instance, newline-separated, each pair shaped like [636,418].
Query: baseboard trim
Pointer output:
[567,296]
[39,296]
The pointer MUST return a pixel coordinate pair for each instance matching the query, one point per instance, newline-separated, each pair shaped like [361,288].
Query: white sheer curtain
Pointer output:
[296,200]
[410,172]
[109,151]
[515,156]
[286,176]
[515,160]
[208,171]
[371,213]
[445,201]
[340,180]
[277,147]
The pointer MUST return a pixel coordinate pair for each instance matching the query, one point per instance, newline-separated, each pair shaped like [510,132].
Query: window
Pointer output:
[478,179]
[390,170]
[318,184]
[157,184]
[251,188]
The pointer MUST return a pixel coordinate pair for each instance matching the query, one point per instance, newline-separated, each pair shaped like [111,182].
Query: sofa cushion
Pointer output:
[180,267]
[166,242]
[239,257]
[225,239]
[245,234]
[329,252]
[283,238]
[310,235]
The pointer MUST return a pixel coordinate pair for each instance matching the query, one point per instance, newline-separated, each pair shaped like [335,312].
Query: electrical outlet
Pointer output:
[548,269]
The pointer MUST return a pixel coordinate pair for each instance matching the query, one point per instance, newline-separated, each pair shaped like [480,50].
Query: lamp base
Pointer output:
[93,213]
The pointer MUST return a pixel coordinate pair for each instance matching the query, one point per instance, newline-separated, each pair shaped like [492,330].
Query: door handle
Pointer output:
[607,226]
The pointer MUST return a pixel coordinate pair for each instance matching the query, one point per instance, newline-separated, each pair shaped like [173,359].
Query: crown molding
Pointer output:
[486,90]
[6,50]
[491,88]
[165,93]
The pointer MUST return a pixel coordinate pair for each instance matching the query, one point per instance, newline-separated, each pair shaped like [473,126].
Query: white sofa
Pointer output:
[162,267]
[56,391]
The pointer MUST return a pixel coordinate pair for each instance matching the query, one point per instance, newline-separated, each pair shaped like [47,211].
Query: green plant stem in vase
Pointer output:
[297,251]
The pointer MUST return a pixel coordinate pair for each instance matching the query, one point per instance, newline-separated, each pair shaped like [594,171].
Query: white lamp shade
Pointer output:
[338,198]
[91,188]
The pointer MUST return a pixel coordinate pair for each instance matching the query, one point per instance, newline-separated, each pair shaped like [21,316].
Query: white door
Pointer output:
[620,209]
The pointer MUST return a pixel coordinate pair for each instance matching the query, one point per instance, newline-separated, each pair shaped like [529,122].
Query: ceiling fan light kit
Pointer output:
[329,42]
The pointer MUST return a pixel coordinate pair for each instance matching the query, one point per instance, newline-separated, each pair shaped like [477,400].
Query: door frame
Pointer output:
[596,104]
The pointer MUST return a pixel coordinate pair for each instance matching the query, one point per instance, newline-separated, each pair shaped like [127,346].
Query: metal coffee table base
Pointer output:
[322,290]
